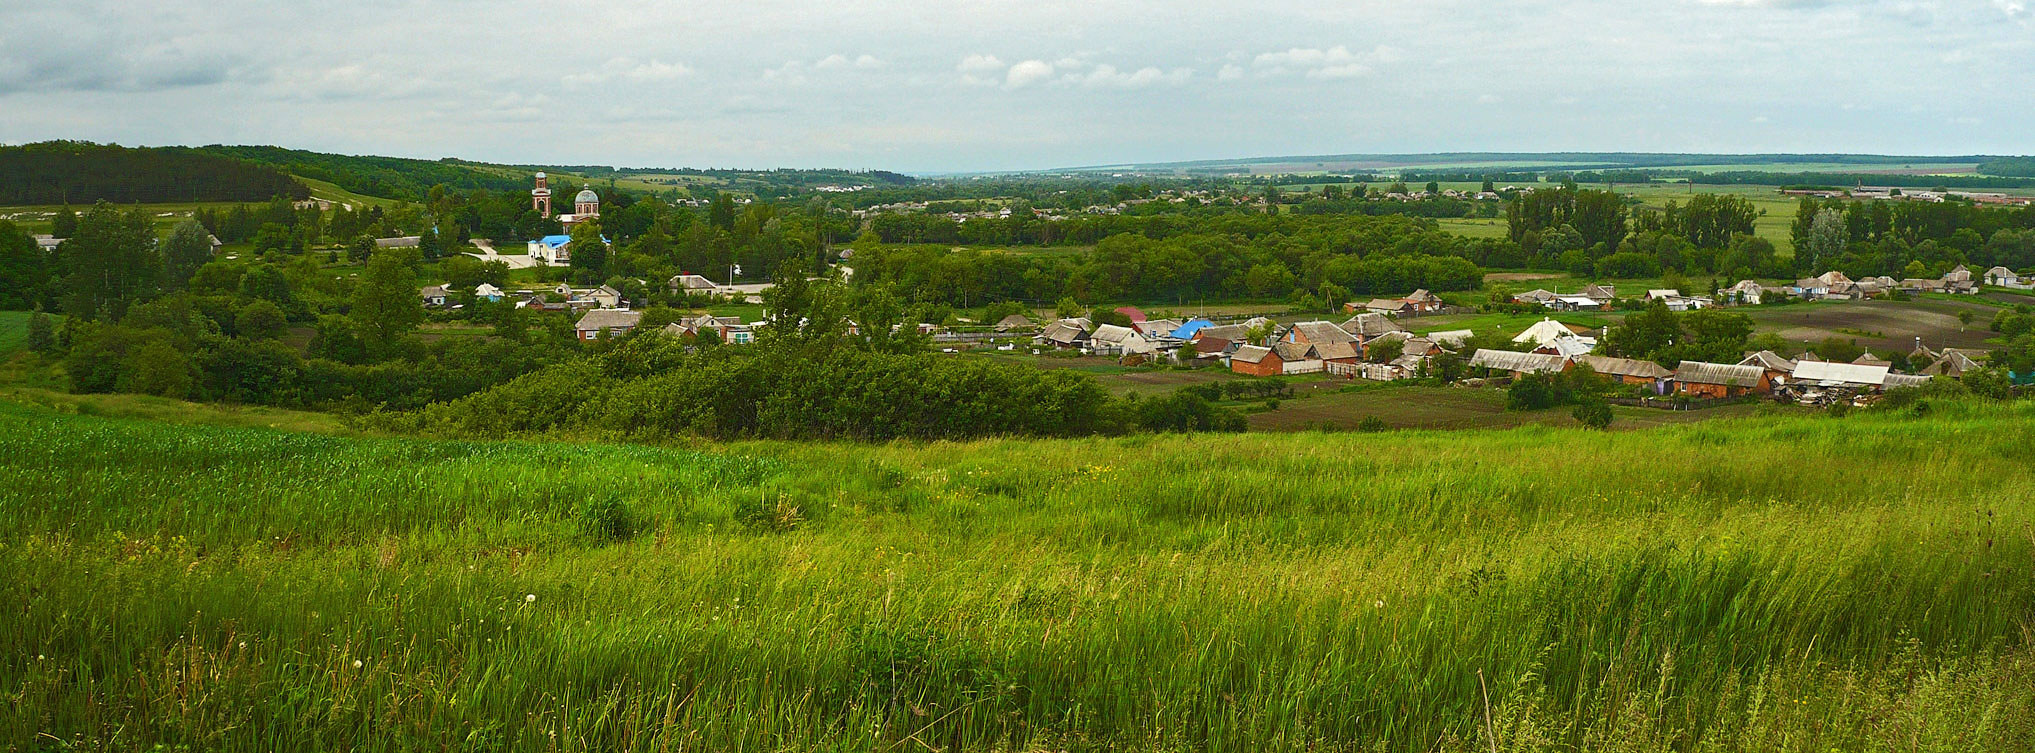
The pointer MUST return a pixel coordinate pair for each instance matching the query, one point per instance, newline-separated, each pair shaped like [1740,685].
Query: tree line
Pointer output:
[79,172]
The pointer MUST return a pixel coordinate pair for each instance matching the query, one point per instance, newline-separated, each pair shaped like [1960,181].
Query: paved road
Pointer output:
[487,253]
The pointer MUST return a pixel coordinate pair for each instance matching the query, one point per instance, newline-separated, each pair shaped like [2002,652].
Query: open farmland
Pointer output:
[1882,326]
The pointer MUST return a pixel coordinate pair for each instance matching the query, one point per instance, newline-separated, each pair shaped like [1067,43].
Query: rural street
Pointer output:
[487,253]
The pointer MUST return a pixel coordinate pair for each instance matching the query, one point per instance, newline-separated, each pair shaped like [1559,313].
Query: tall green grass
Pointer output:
[1793,583]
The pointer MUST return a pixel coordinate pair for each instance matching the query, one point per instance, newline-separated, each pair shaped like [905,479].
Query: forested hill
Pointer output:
[76,172]
[386,177]
[2019,167]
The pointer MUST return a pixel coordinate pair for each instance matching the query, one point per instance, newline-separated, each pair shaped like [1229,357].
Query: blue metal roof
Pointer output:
[1186,331]
[555,241]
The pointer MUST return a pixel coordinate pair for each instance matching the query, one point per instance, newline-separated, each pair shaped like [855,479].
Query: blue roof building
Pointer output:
[1186,331]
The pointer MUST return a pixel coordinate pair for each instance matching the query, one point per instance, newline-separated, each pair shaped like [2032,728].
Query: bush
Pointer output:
[607,519]
[1595,414]
[1372,425]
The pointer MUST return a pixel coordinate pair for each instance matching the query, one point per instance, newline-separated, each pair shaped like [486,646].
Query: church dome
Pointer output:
[586,196]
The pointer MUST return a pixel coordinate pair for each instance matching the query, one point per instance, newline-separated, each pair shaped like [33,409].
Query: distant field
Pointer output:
[1882,326]
[14,330]
[1451,408]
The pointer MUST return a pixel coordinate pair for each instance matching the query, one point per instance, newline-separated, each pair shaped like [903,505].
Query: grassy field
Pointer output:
[1450,408]
[208,588]
[14,330]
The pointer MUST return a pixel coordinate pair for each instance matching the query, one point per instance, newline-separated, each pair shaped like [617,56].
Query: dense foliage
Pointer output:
[1321,259]
[1910,238]
[78,172]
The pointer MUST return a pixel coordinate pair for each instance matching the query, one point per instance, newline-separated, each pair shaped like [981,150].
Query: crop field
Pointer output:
[1882,326]
[175,586]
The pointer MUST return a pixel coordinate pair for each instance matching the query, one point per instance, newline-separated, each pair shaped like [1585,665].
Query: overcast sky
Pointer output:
[962,86]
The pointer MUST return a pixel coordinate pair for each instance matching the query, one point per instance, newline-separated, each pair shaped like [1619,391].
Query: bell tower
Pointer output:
[540,198]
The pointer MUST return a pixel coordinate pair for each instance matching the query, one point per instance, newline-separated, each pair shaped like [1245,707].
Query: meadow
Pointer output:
[1775,583]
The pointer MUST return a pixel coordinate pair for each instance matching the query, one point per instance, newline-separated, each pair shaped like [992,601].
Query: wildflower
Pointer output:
[529,598]
[356,664]
[1379,604]
[243,644]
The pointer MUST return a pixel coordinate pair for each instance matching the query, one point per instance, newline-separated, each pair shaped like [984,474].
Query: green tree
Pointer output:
[156,367]
[1644,334]
[385,303]
[112,262]
[1827,239]
[1067,308]
[41,332]
[589,251]
[188,248]
[65,225]
[260,320]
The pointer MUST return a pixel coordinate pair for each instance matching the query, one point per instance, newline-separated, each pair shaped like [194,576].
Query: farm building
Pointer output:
[600,323]
[1388,306]
[1519,364]
[2005,278]
[1110,339]
[1630,371]
[1066,333]
[1720,379]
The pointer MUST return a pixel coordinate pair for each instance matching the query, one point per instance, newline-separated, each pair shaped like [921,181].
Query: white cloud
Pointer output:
[629,69]
[1027,73]
[1331,63]
[1107,76]
[978,64]
[1230,72]
[838,62]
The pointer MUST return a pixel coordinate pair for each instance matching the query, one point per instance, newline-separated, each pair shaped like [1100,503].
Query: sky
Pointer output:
[931,87]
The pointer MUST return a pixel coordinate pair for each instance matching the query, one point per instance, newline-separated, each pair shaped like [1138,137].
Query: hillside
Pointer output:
[76,172]
[1770,583]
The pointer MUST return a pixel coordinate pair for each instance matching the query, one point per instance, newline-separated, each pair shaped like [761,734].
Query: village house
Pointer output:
[1536,296]
[1156,328]
[1604,295]
[1066,333]
[1678,302]
[1778,368]
[608,297]
[1365,326]
[406,241]
[1518,364]
[1015,323]
[600,323]
[1630,371]
[2002,277]
[1952,363]
[487,291]
[1720,380]
[552,250]
[1550,336]
[1256,360]
[1388,306]
[434,296]
[1746,292]
[1115,340]
[1425,302]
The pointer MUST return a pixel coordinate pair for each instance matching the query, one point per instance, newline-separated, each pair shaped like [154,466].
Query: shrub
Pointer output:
[1595,414]
[608,519]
